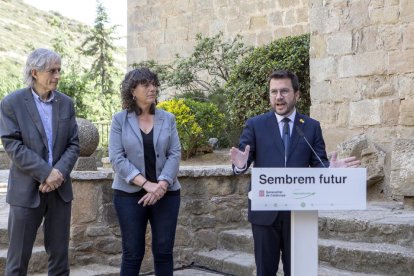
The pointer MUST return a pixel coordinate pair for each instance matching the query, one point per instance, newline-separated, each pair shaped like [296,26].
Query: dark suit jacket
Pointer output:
[267,150]
[24,139]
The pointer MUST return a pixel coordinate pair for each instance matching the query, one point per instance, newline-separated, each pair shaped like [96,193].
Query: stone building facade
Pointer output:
[362,80]
[159,29]
[362,65]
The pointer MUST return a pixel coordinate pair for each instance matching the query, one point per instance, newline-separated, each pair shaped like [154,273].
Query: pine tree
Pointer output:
[100,45]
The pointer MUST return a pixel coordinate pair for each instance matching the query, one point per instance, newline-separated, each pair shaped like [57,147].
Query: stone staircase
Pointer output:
[38,261]
[378,241]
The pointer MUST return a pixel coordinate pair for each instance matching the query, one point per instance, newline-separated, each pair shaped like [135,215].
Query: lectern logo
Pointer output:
[261,193]
[300,194]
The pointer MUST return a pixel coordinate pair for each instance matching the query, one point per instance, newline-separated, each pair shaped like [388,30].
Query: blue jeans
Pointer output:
[133,219]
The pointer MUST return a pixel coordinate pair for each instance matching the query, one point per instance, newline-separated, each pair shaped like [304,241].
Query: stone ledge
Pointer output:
[92,175]
[201,171]
[185,171]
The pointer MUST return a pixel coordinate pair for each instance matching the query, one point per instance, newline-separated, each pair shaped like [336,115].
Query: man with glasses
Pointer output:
[272,140]
[40,135]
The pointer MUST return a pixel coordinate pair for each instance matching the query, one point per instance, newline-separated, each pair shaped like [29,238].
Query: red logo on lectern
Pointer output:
[261,193]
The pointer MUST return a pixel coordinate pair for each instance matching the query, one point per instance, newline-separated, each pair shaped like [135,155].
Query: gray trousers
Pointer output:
[22,229]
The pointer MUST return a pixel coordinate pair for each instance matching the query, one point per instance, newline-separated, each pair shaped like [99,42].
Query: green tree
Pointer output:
[212,57]
[75,80]
[201,75]
[100,45]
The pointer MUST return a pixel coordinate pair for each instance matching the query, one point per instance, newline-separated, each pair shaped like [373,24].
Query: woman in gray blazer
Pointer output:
[145,153]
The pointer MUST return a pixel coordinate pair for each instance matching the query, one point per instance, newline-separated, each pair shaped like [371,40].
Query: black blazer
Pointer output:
[267,150]
[24,140]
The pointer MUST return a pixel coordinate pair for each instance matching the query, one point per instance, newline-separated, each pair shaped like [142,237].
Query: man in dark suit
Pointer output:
[40,135]
[272,140]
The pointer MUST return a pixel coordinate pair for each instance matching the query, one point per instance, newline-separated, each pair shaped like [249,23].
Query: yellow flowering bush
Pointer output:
[196,122]
[188,129]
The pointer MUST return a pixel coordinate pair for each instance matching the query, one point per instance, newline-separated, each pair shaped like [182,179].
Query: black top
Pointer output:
[150,169]
[149,156]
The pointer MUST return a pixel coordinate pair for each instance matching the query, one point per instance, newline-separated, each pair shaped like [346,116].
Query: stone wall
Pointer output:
[95,235]
[212,200]
[158,29]
[362,73]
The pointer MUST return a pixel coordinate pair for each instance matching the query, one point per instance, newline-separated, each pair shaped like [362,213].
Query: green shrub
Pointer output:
[247,90]
[188,129]
[196,122]
[209,118]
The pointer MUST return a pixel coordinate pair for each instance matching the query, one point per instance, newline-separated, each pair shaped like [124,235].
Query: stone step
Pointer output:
[237,240]
[4,214]
[363,257]
[327,270]
[38,261]
[4,240]
[230,262]
[193,271]
[90,270]
[3,181]
[377,225]
[242,240]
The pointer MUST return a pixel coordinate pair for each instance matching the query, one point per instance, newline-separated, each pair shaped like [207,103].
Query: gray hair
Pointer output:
[40,60]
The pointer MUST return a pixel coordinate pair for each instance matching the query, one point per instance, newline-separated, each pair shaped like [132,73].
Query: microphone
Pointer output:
[300,132]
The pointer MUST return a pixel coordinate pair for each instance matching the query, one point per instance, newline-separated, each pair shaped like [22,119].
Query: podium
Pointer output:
[305,191]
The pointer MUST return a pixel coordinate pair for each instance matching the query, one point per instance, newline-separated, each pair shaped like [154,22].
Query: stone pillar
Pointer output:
[95,235]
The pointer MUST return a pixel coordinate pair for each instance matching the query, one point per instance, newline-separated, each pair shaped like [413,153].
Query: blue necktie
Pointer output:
[286,136]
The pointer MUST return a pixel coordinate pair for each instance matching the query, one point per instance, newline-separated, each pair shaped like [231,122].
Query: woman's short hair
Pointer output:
[131,80]
[40,60]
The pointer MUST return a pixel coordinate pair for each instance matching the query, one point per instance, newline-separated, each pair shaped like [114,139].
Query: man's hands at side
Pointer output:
[52,182]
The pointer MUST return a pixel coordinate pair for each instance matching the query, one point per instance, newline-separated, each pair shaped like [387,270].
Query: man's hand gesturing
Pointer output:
[238,157]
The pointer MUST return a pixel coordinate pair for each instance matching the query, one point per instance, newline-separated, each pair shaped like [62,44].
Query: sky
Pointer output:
[85,11]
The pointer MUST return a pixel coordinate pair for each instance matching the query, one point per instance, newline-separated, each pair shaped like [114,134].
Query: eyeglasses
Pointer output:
[283,91]
[53,71]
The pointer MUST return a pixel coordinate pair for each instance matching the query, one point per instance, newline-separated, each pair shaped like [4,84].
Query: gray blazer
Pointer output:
[24,140]
[126,150]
